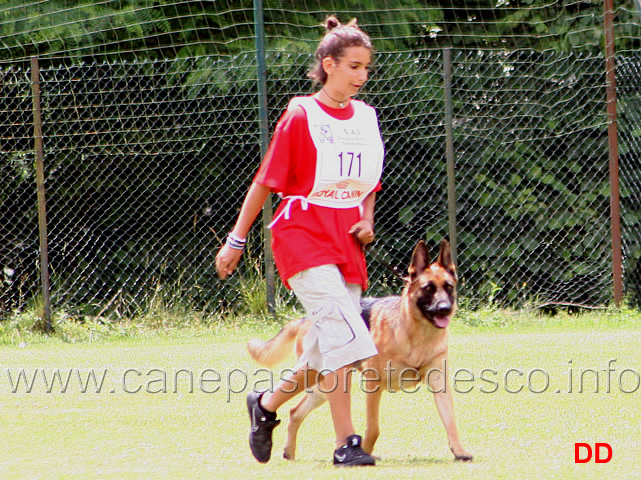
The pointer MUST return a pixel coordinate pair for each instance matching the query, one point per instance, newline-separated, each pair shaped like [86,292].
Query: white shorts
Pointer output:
[339,336]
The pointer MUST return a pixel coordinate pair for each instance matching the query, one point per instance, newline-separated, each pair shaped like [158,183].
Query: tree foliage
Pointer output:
[86,30]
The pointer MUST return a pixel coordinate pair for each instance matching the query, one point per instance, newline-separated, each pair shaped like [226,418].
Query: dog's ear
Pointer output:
[420,260]
[445,257]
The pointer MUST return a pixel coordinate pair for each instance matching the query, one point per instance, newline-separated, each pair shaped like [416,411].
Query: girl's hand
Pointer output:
[227,260]
[364,231]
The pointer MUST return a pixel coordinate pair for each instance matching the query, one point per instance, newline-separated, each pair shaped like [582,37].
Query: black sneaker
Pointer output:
[263,422]
[351,454]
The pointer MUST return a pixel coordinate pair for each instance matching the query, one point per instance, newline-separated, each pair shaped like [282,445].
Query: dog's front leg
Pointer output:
[445,406]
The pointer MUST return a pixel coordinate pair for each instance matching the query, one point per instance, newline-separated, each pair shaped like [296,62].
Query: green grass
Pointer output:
[193,434]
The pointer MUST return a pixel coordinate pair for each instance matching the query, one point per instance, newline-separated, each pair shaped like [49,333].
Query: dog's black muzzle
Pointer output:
[437,313]
[441,309]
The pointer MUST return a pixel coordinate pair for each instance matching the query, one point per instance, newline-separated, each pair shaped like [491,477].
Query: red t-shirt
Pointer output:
[319,235]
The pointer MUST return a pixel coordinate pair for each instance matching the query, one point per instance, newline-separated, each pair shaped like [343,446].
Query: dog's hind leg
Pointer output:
[310,402]
[373,401]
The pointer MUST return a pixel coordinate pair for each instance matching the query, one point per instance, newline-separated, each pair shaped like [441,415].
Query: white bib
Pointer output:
[349,160]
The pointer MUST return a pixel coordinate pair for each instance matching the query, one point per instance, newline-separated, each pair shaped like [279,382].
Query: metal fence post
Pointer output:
[615,207]
[449,150]
[264,141]
[42,204]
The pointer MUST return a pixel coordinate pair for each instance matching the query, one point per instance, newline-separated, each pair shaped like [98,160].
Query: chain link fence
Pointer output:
[147,163]
[629,128]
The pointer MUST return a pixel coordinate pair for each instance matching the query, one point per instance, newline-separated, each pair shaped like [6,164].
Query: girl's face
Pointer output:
[347,75]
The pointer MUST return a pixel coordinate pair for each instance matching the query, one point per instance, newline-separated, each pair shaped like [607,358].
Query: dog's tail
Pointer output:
[274,351]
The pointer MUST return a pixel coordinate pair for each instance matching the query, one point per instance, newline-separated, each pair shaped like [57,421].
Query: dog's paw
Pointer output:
[287,455]
[462,456]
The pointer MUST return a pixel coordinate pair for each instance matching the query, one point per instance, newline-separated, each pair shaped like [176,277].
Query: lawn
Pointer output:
[173,406]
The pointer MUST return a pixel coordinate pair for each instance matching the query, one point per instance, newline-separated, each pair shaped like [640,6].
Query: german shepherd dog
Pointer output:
[411,335]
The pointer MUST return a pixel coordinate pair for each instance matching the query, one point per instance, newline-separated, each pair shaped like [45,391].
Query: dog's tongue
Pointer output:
[441,322]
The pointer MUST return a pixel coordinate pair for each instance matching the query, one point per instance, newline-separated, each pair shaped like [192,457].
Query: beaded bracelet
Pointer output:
[236,242]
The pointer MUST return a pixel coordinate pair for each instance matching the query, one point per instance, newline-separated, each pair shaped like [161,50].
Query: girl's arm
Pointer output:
[228,258]
[364,229]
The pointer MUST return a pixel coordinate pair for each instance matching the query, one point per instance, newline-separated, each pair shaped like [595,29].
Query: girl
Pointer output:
[325,161]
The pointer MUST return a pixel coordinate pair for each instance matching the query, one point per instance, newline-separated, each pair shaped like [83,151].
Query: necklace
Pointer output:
[340,104]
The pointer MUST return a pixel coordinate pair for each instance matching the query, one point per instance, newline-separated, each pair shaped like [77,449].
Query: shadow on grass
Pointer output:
[391,462]
[413,461]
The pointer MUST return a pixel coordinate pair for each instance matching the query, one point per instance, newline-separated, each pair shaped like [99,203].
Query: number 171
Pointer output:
[347,159]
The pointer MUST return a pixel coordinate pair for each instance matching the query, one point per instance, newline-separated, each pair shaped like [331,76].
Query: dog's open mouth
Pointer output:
[440,322]
[439,314]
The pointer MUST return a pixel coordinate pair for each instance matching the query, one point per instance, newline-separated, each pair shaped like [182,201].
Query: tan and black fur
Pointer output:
[411,335]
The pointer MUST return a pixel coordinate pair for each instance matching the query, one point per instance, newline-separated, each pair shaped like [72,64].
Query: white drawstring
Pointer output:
[286,211]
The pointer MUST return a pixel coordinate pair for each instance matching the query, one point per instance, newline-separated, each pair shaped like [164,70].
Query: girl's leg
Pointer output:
[337,387]
[288,388]
[337,339]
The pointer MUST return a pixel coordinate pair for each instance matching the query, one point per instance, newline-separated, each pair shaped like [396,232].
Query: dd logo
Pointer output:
[583,452]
